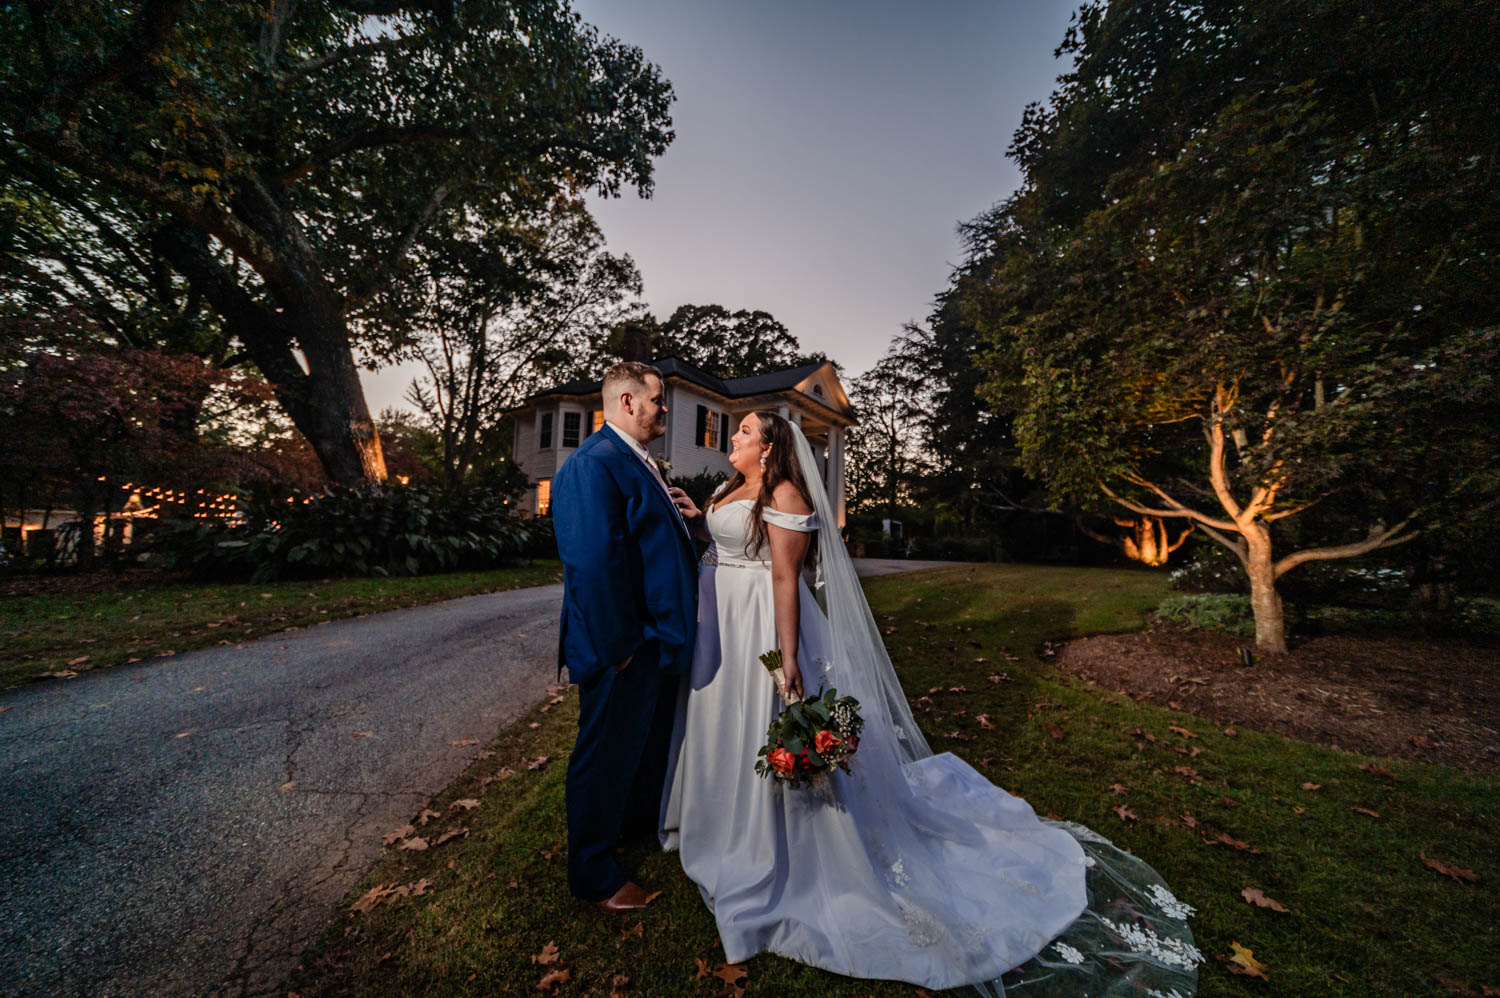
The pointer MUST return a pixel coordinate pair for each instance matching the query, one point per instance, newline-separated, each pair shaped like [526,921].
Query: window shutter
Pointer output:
[701,430]
[588,424]
[724,432]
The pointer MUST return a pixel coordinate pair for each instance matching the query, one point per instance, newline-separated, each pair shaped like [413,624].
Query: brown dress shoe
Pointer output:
[630,897]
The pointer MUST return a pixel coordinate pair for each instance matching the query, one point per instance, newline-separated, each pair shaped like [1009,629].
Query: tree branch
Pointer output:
[396,44]
[1378,538]
[1176,508]
[369,138]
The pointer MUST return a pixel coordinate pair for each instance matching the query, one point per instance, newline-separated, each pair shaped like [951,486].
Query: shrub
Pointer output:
[392,530]
[1210,612]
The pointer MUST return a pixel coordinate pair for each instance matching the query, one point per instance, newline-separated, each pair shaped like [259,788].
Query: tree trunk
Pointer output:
[326,403]
[1265,601]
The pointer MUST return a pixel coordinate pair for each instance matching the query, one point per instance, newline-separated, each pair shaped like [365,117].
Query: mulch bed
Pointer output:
[88,583]
[1413,697]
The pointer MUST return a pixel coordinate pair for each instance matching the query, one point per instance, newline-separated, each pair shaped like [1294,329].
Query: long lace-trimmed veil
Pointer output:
[1132,940]
[853,626]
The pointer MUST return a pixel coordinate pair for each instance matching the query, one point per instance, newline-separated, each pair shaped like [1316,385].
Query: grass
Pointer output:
[1365,917]
[70,633]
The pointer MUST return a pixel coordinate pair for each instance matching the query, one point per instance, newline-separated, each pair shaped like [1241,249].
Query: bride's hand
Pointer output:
[791,675]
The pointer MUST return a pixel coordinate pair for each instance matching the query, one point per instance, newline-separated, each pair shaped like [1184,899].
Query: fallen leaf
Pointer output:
[1312,786]
[364,734]
[549,954]
[1125,813]
[1458,873]
[652,897]
[1189,820]
[288,786]
[1184,732]
[1229,840]
[1257,898]
[1421,741]
[1228,802]
[415,844]
[534,724]
[1117,788]
[1243,962]
[1188,773]
[733,975]
[468,804]
[1230,732]
[483,754]
[372,897]
[634,931]
[1053,730]
[1365,810]
[985,722]
[452,833]
[705,969]
[618,984]
[464,741]
[427,815]
[1000,677]
[553,978]
[184,734]
[1298,810]
[390,838]
[420,887]
[956,689]
[550,854]
[1377,771]
[78,661]
[538,762]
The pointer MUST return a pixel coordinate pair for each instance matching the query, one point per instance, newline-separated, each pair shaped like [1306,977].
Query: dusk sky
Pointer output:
[825,152]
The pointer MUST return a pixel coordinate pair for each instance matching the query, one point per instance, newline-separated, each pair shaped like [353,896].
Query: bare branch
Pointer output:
[1177,509]
[1378,538]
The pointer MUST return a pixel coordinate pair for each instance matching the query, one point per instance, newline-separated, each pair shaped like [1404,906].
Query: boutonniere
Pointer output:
[664,466]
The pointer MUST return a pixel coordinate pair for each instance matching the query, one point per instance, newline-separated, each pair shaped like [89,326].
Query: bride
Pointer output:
[913,866]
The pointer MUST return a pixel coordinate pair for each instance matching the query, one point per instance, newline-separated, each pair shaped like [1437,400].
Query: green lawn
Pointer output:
[1366,917]
[51,634]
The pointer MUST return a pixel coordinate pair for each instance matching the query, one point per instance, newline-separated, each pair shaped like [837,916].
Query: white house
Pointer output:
[702,413]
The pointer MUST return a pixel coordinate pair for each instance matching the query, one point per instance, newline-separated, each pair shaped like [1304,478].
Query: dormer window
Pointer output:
[818,390]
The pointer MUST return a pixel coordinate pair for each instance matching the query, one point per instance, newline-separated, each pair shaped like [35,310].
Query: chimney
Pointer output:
[635,343]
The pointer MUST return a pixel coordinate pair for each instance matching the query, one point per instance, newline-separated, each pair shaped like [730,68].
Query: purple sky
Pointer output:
[825,152]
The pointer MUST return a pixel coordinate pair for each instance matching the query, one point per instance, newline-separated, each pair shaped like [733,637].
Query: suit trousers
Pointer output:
[617,770]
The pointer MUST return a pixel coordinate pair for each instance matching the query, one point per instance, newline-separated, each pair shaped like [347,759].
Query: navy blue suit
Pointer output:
[629,591]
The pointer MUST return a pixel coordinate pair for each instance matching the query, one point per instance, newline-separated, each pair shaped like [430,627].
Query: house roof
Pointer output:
[731,388]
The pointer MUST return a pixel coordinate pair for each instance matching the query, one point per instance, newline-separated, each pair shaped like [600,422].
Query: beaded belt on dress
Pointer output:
[712,559]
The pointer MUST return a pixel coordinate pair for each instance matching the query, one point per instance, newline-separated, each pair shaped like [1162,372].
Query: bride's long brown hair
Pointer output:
[781,466]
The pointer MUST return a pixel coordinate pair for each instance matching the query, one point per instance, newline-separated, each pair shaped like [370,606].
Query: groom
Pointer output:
[628,620]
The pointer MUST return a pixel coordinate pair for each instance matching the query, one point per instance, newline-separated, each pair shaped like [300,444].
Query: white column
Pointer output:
[836,463]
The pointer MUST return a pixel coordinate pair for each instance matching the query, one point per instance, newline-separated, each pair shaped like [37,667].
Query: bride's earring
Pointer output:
[763,458]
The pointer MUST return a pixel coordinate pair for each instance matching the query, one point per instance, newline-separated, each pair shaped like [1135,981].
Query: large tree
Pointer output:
[1250,274]
[508,309]
[290,159]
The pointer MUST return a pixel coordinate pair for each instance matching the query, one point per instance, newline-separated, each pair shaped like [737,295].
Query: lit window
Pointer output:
[544,432]
[708,427]
[598,420]
[572,421]
[544,497]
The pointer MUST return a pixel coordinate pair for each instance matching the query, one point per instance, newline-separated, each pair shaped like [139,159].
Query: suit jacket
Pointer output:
[629,566]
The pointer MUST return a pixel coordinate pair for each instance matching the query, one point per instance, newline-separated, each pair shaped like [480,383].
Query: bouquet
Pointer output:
[811,737]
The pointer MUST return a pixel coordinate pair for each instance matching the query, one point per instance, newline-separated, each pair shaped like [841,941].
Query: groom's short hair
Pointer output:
[628,376]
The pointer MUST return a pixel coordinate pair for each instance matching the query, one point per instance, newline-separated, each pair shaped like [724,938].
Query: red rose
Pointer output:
[781,760]
[825,740]
[803,763]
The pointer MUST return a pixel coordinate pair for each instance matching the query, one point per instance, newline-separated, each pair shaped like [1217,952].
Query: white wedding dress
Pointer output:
[913,867]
